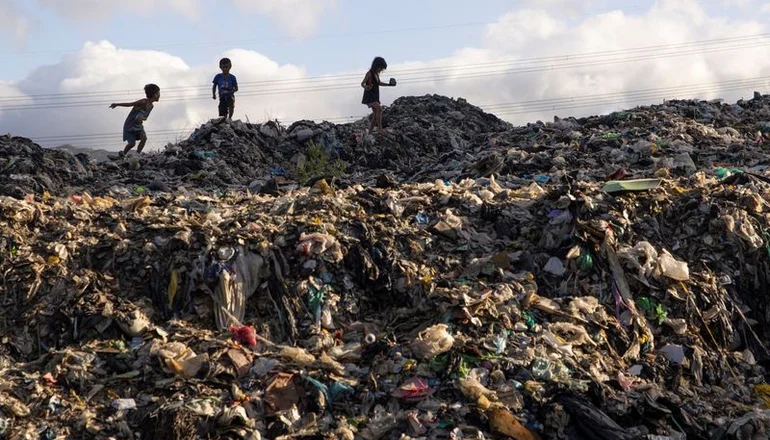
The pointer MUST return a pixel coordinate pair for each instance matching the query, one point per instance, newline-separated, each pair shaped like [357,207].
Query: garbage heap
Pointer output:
[598,278]
[25,168]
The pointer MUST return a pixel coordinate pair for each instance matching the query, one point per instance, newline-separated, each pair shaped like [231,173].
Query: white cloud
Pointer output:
[740,3]
[13,23]
[99,9]
[523,27]
[766,8]
[521,34]
[298,17]
[568,7]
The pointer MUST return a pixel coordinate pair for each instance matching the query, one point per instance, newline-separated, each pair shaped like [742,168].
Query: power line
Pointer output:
[437,78]
[738,42]
[531,106]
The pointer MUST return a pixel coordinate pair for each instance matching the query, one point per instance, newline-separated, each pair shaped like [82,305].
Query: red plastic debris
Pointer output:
[413,389]
[244,334]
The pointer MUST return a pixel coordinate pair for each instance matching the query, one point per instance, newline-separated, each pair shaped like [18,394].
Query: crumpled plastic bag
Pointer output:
[179,358]
[574,334]
[641,257]
[432,342]
[235,286]
[473,389]
[449,225]
[752,426]
[672,268]
[318,244]
[298,356]
[593,423]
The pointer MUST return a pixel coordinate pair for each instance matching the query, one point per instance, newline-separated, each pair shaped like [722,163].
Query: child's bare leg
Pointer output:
[142,141]
[231,110]
[128,147]
[379,119]
[374,121]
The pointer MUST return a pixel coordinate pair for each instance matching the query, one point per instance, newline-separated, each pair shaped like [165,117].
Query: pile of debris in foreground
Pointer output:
[599,278]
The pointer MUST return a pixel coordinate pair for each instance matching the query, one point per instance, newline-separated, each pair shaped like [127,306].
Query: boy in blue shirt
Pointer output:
[227,85]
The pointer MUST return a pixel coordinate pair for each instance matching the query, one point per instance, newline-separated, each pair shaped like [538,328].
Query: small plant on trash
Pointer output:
[318,163]
[654,310]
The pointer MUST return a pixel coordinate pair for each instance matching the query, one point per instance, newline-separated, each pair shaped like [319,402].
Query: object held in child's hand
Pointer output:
[393,81]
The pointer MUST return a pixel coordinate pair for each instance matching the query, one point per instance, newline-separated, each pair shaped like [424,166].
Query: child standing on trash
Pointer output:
[227,85]
[133,128]
[371,85]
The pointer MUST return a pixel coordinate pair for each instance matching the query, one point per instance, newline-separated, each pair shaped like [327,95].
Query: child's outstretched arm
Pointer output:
[128,104]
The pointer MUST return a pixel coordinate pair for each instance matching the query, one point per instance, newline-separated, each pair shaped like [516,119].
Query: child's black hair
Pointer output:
[150,90]
[378,63]
[225,62]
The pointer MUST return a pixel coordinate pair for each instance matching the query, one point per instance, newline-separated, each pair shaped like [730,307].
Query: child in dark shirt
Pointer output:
[133,128]
[371,85]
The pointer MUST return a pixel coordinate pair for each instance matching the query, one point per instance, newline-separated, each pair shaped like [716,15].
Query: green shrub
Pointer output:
[318,163]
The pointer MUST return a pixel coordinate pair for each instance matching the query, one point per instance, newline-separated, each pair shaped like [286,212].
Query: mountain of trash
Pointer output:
[456,277]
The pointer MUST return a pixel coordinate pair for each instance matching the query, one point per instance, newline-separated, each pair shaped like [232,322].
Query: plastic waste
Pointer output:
[473,389]
[674,353]
[124,404]
[592,422]
[643,257]
[297,355]
[555,267]
[245,335]
[432,342]
[672,268]
[320,244]
[415,388]
[235,285]
[722,173]
[754,425]
[501,421]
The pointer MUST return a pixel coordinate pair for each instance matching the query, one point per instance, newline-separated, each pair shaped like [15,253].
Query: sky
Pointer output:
[65,61]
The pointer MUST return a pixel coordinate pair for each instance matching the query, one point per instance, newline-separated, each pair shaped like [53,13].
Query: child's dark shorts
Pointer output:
[225,104]
[133,135]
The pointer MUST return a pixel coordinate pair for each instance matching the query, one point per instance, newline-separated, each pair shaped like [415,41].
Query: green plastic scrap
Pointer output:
[321,387]
[340,389]
[611,136]
[315,298]
[586,260]
[528,319]
[617,186]
[722,173]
